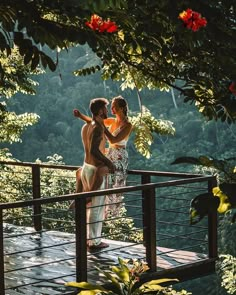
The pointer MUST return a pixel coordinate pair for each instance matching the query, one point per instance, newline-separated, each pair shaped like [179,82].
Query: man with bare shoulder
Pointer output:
[93,140]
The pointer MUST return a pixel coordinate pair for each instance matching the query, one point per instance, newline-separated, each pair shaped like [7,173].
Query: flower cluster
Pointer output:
[232,87]
[98,24]
[192,19]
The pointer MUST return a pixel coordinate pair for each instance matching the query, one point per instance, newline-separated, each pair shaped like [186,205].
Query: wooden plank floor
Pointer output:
[44,271]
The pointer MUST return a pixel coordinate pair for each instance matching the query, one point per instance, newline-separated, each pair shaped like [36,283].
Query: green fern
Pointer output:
[125,280]
[144,125]
[227,272]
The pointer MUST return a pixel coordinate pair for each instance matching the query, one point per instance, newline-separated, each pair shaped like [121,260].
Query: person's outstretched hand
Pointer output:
[76,112]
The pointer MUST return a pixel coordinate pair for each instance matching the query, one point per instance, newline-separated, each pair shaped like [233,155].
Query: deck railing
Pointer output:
[147,192]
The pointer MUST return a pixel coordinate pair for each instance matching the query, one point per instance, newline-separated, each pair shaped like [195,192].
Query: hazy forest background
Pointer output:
[58,131]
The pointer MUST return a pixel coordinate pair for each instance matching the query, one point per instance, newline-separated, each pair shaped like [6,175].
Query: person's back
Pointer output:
[93,138]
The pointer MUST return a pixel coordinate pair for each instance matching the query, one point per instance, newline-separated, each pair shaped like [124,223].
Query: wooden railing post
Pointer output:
[212,225]
[2,278]
[36,195]
[81,239]
[149,223]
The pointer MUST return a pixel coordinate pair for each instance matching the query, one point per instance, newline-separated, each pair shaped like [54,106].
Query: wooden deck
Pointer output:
[44,271]
[39,262]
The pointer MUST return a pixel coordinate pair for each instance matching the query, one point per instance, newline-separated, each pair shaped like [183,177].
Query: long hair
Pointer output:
[122,104]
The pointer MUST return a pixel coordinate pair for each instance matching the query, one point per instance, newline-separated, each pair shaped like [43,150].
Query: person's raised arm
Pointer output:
[83,117]
[88,119]
[123,133]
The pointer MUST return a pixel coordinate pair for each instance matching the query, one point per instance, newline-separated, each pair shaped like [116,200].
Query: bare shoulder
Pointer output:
[85,126]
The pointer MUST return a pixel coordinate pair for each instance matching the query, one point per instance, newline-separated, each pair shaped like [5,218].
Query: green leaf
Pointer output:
[123,273]
[49,62]
[28,56]
[35,61]
[85,285]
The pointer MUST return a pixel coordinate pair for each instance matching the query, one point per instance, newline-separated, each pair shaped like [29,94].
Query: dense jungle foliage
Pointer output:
[58,131]
[191,41]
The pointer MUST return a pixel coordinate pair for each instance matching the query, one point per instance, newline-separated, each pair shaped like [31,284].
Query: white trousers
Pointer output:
[96,209]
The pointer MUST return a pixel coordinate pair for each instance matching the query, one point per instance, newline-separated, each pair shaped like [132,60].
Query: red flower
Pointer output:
[232,87]
[98,24]
[192,19]
[95,22]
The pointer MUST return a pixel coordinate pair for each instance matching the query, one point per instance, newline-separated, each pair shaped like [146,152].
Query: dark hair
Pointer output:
[122,103]
[97,104]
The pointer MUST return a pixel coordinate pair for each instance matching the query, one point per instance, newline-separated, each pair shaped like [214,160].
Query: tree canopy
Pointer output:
[186,45]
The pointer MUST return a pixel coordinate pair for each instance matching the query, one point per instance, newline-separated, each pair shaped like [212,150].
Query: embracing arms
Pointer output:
[122,134]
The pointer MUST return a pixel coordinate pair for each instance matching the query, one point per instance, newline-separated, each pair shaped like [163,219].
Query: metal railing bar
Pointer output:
[68,197]
[137,218]
[181,237]
[192,187]
[58,220]
[33,215]
[39,265]
[40,281]
[185,234]
[62,176]
[40,248]
[183,248]
[17,218]
[177,208]
[37,232]
[163,173]
[121,218]
[134,172]
[122,231]
[175,199]
[167,238]
[169,235]
[132,182]
[172,211]
[134,194]
[29,164]
[130,200]
[132,206]
[179,193]
[117,218]
[181,224]
[56,211]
